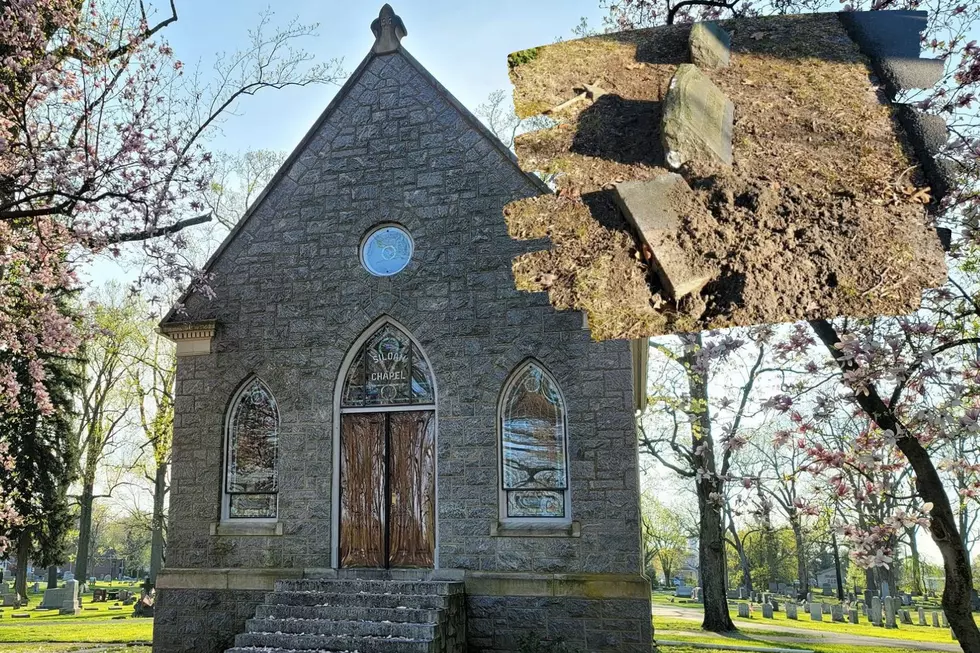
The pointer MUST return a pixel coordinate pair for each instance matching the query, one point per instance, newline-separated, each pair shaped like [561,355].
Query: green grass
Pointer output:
[68,648]
[96,624]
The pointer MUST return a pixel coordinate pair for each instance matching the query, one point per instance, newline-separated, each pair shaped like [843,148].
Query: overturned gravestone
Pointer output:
[710,45]
[697,120]
[656,208]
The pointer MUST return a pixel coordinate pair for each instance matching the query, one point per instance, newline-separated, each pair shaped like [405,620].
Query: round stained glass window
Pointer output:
[386,250]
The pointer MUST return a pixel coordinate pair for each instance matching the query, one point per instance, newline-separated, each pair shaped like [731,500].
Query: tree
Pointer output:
[37,488]
[699,459]
[664,538]
[152,376]
[238,180]
[101,143]
[105,403]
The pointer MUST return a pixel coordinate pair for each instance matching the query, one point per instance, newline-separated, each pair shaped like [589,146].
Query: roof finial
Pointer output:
[388,30]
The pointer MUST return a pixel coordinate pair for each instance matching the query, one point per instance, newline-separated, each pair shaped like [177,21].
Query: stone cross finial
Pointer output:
[388,30]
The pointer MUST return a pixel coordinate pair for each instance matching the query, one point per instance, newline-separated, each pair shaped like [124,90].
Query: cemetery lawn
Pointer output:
[96,624]
[69,648]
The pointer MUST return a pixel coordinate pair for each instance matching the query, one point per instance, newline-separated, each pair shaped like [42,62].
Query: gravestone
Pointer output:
[906,599]
[69,576]
[70,605]
[53,598]
[36,587]
[743,610]
[906,617]
[867,597]
[935,619]
[884,589]
[890,613]
[741,594]
[710,46]
[767,611]
[791,610]
[697,120]
[853,614]
[922,616]
[696,594]
[809,597]
[837,612]
[775,604]
[942,620]
[816,612]
[682,591]
[828,590]
[825,606]
[876,610]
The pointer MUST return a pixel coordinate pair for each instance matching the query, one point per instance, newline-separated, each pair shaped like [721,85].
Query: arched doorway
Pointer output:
[387,454]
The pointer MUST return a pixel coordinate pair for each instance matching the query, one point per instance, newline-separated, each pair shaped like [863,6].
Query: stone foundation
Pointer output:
[496,624]
[201,620]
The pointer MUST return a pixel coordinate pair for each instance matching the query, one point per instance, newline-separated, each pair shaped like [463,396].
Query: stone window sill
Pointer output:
[517,529]
[246,528]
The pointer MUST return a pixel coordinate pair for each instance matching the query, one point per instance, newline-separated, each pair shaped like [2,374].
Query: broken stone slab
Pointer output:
[655,209]
[710,46]
[906,73]
[697,119]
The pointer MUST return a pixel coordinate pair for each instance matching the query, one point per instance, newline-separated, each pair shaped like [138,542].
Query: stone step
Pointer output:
[290,642]
[344,628]
[342,612]
[353,586]
[323,599]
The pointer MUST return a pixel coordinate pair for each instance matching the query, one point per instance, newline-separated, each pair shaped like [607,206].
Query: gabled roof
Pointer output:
[388,29]
[822,214]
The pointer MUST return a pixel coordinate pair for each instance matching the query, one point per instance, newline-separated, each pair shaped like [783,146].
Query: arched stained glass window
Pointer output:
[251,482]
[534,464]
[388,370]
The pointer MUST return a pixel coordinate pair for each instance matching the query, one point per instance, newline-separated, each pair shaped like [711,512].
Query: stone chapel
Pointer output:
[380,444]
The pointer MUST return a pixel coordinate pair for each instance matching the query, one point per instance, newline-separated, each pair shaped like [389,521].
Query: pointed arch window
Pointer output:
[388,370]
[251,478]
[533,448]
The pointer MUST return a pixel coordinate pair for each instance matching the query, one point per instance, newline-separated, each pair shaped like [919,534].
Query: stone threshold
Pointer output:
[478,583]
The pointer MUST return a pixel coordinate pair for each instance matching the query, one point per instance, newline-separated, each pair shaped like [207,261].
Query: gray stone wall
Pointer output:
[201,621]
[292,298]
[496,624]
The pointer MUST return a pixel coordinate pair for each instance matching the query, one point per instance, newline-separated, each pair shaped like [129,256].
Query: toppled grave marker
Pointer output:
[710,46]
[697,120]
[813,218]
[655,209]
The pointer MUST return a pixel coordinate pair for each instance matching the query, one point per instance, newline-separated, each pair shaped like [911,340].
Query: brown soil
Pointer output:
[819,216]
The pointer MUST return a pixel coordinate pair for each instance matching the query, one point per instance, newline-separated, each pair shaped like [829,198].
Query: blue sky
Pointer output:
[464,44]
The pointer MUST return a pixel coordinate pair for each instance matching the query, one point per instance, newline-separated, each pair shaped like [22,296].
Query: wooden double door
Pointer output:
[387,489]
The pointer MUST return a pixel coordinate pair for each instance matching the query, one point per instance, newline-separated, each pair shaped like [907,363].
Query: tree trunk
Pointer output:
[711,534]
[743,560]
[837,570]
[84,530]
[157,540]
[52,577]
[916,566]
[801,570]
[23,558]
[942,524]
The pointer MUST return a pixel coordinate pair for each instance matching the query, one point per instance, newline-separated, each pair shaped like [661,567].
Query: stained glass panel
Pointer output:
[534,433]
[252,506]
[535,503]
[389,370]
[254,441]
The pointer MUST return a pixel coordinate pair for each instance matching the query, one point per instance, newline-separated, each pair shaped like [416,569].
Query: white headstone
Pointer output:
[743,610]
[767,610]
[922,616]
[70,605]
[816,612]
[791,610]
[890,613]
[876,610]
